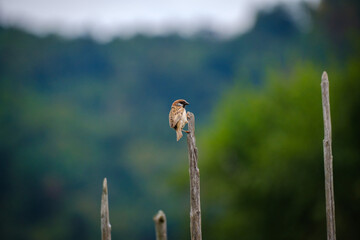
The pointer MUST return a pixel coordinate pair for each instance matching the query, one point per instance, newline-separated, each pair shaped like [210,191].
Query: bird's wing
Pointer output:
[175,116]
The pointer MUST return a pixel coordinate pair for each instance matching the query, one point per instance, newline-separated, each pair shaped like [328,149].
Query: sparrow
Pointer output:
[178,117]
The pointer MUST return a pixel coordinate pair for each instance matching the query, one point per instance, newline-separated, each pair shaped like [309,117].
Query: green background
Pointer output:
[75,111]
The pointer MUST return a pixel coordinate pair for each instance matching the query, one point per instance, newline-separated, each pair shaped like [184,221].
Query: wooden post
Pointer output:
[160,226]
[105,222]
[195,210]
[328,160]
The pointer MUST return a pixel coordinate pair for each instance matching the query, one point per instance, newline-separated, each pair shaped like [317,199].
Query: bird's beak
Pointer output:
[186,103]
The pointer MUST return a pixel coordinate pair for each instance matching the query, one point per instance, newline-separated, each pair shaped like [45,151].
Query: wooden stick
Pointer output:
[105,222]
[195,210]
[328,160]
[160,226]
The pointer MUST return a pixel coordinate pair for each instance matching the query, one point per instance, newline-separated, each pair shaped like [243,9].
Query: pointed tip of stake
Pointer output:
[324,76]
[105,182]
[160,216]
[105,185]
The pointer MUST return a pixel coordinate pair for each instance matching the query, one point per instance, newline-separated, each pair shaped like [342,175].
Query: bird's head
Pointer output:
[180,103]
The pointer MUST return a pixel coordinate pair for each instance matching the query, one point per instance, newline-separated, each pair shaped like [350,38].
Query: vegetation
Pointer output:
[74,111]
[269,170]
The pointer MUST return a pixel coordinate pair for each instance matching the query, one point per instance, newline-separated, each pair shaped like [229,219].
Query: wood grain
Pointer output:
[195,209]
[328,160]
[105,221]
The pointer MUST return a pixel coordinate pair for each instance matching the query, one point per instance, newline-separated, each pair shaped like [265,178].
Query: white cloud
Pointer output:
[106,18]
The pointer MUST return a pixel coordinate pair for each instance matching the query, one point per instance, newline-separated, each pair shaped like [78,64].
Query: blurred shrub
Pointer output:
[262,169]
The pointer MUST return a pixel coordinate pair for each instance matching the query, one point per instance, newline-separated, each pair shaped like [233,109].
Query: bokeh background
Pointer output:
[85,91]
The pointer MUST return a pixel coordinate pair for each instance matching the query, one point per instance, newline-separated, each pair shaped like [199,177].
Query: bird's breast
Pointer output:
[183,120]
[184,116]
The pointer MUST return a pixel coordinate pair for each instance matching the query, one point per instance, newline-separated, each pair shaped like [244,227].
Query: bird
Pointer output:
[178,117]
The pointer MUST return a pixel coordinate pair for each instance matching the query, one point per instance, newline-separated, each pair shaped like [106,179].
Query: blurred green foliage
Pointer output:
[263,164]
[74,111]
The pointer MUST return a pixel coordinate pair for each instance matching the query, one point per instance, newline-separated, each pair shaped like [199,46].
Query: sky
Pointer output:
[104,19]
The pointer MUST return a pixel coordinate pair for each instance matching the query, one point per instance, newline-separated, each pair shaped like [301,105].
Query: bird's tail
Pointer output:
[178,134]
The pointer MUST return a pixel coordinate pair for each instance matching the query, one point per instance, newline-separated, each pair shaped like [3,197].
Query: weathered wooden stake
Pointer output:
[195,210]
[328,160]
[160,226]
[105,222]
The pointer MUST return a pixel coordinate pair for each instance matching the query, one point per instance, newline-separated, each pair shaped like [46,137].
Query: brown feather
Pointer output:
[178,134]
[177,117]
